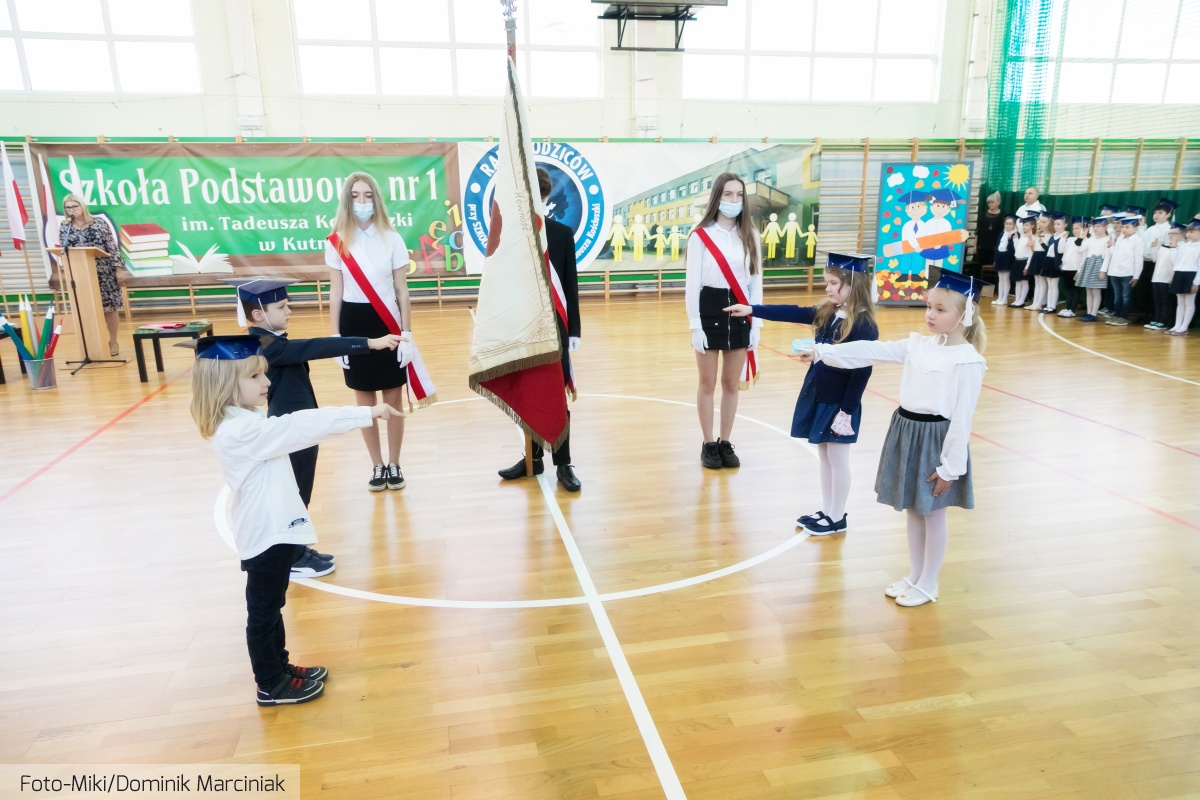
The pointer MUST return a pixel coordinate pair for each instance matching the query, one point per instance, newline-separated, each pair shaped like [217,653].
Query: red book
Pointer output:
[144,232]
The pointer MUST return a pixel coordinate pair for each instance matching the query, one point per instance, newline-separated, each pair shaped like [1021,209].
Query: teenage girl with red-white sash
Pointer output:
[724,258]
[368,263]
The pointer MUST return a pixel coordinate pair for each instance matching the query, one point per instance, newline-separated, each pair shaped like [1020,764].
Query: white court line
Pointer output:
[1042,322]
[633,695]
[549,602]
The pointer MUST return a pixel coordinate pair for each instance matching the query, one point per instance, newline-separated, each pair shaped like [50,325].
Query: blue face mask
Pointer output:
[364,211]
[730,210]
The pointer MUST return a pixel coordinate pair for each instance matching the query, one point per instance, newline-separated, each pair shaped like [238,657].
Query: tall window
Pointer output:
[98,46]
[814,50]
[444,48]
[1117,51]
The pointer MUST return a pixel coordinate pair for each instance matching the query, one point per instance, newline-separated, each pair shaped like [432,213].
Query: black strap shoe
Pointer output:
[566,477]
[517,470]
[710,455]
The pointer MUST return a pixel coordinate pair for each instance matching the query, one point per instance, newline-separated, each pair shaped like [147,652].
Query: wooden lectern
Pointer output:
[87,307]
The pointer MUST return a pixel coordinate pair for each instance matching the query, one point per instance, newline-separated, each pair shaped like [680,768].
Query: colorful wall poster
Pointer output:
[922,224]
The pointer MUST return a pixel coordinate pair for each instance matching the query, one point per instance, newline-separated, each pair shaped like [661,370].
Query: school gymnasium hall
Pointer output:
[646,615]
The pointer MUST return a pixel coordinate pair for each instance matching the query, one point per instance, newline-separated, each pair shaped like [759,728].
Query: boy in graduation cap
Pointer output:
[1124,269]
[270,521]
[263,309]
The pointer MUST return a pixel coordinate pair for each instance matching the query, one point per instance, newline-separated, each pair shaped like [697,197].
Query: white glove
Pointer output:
[755,335]
[841,424]
[572,343]
[343,361]
[404,352]
[699,341]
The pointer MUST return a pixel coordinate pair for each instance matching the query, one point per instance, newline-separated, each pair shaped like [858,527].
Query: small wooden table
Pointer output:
[193,330]
[3,336]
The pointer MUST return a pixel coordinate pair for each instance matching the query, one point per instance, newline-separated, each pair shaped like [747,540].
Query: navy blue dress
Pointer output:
[1004,255]
[826,390]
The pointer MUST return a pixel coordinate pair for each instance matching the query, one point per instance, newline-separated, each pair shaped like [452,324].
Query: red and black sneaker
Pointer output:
[290,690]
[308,673]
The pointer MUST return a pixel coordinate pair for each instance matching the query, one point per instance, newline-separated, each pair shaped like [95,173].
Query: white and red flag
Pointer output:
[50,218]
[515,352]
[14,206]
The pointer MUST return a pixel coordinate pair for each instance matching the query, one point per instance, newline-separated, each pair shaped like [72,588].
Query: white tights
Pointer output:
[1093,301]
[1039,291]
[1184,311]
[1005,284]
[835,478]
[1052,293]
[1021,291]
[927,540]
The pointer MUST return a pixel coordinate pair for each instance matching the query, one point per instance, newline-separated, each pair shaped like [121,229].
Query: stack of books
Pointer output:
[144,248]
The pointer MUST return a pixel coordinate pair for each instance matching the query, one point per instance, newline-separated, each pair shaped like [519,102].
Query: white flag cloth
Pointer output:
[14,206]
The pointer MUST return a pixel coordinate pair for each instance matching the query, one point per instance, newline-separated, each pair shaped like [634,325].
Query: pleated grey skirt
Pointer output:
[911,453]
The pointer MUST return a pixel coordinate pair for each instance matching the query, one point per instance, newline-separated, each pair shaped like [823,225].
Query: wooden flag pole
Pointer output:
[29,272]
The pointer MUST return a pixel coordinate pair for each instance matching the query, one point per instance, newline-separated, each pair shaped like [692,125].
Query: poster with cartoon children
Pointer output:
[922,225]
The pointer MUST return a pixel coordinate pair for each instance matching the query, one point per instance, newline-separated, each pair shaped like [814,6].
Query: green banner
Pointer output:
[261,209]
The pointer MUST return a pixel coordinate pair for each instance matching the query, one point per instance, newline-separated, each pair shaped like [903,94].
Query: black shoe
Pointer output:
[566,477]
[395,478]
[291,690]
[378,480]
[309,566]
[308,552]
[728,458]
[710,455]
[307,673]
[825,525]
[517,470]
[807,518]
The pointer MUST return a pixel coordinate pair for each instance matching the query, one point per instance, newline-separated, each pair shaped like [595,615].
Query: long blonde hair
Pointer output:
[215,388]
[345,224]
[976,332]
[744,224]
[860,303]
[85,215]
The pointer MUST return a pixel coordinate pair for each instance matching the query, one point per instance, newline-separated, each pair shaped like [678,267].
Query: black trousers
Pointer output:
[1164,304]
[562,454]
[304,465]
[266,592]
[1070,291]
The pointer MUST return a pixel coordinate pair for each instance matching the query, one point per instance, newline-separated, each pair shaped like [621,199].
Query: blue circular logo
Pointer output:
[576,199]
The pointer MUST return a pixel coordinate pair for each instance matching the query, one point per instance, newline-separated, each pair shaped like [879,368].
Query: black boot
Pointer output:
[517,470]
[566,477]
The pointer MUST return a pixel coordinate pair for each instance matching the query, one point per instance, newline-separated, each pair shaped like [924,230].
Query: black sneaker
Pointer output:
[378,480]
[395,478]
[307,673]
[728,458]
[308,551]
[290,691]
[710,455]
[309,566]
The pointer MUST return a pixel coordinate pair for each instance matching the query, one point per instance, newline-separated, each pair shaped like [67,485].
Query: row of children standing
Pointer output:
[1102,258]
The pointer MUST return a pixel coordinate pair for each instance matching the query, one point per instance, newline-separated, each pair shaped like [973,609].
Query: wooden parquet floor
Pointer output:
[1063,660]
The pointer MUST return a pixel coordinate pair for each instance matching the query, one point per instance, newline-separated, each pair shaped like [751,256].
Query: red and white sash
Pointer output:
[560,307]
[420,385]
[750,369]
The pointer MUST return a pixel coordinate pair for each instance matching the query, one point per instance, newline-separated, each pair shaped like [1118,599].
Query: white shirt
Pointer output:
[1126,260]
[1021,249]
[1153,236]
[1003,241]
[1030,208]
[379,255]
[1164,264]
[936,380]
[1097,247]
[1072,254]
[1186,257]
[702,270]
[252,450]
[910,231]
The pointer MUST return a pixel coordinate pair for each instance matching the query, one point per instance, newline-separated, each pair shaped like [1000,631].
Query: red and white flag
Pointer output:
[14,206]
[515,351]
[50,218]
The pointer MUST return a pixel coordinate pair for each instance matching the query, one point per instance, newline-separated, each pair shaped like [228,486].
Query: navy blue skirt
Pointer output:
[811,420]
[1035,262]
[1003,261]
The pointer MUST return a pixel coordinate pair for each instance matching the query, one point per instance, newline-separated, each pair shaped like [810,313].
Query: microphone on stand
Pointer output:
[66,243]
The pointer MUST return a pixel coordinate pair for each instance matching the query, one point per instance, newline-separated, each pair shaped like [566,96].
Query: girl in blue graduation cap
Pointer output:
[829,408]
[925,466]
[229,386]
